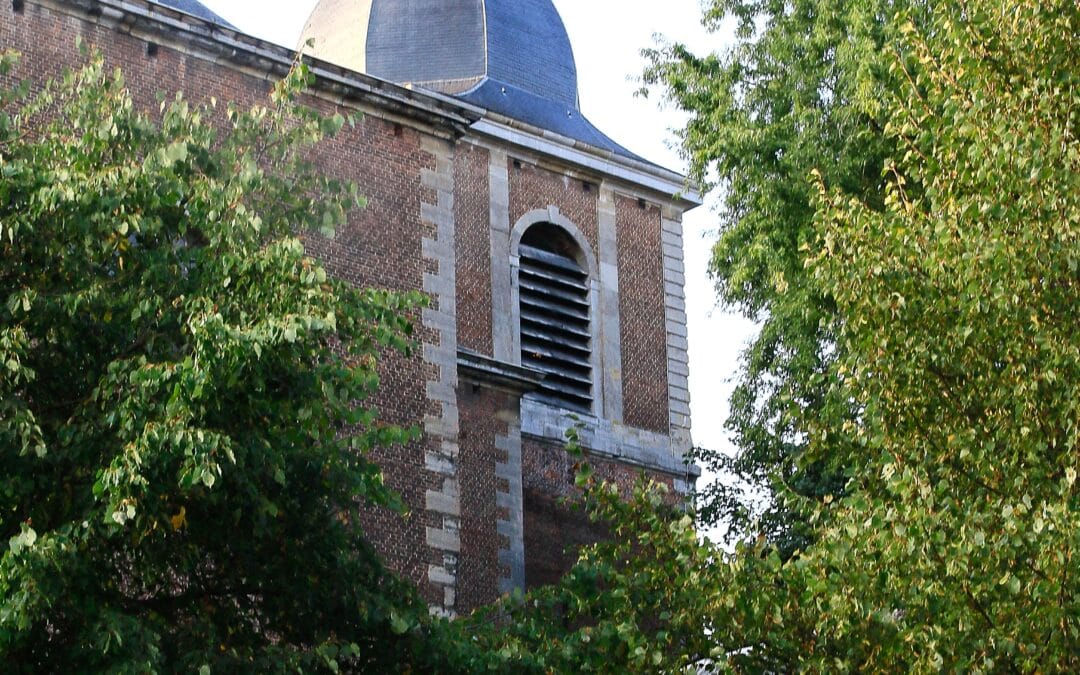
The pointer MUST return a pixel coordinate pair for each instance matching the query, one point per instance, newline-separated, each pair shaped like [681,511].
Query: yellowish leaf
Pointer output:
[179,521]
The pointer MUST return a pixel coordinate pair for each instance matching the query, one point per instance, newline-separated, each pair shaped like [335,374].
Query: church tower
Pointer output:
[568,280]
[551,256]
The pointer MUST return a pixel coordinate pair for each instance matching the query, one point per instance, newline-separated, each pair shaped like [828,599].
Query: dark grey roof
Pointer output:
[512,57]
[447,44]
[195,8]
[528,48]
[541,112]
[531,72]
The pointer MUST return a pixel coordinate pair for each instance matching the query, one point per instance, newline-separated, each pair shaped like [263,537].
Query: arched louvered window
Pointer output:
[553,291]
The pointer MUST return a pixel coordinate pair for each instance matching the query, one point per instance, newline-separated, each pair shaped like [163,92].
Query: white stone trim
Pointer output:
[503,300]
[675,311]
[608,319]
[441,430]
[632,446]
[659,181]
[552,215]
[513,500]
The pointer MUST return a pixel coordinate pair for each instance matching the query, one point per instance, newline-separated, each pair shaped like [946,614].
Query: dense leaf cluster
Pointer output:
[960,302]
[800,90]
[183,433]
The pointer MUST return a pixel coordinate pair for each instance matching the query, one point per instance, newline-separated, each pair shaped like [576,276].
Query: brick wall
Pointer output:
[641,313]
[471,207]
[480,570]
[405,174]
[556,526]
[383,158]
[554,533]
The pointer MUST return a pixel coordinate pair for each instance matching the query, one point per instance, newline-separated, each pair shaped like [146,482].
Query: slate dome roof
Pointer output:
[512,57]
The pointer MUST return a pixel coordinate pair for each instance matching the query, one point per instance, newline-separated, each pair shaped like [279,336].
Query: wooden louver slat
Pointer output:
[555,335]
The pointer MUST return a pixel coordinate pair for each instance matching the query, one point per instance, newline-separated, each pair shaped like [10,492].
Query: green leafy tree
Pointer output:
[634,602]
[953,546]
[799,91]
[959,302]
[183,426]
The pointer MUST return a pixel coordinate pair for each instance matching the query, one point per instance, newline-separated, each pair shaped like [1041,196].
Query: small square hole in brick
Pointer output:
[18,6]
[151,49]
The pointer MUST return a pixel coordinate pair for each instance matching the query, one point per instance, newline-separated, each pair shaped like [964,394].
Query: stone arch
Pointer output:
[552,215]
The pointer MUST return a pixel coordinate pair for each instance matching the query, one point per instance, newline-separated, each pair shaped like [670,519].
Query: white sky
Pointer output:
[607,37]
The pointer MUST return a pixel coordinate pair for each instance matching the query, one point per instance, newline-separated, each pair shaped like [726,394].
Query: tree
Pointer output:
[959,302]
[183,433]
[800,91]
[953,546]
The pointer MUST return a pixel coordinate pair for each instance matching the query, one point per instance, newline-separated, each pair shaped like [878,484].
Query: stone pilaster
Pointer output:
[513,500]
[443,505]
[502,300]
[610,327]
[675,312]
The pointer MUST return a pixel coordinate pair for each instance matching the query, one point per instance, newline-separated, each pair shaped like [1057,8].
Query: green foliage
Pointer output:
[953,546]
[183,426]
[960,306]
[632,603]
[799,91]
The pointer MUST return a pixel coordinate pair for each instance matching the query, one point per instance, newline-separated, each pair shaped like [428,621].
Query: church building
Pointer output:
[552,255]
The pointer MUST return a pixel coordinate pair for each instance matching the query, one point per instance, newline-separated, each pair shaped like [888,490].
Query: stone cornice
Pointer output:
[233,49]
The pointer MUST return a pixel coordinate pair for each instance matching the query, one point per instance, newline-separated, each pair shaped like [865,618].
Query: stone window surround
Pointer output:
[551,215]
[606,431]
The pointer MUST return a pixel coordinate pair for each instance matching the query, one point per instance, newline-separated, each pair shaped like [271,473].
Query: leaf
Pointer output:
[583,475]
[175,152]
[179,521]
[24,540]
[398,624]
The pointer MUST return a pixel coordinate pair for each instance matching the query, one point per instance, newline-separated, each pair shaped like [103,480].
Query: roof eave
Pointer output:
[228,46]
[231,47]
[666,183]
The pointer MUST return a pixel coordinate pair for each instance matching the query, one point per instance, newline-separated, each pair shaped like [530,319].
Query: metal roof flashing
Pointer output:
[195,8]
